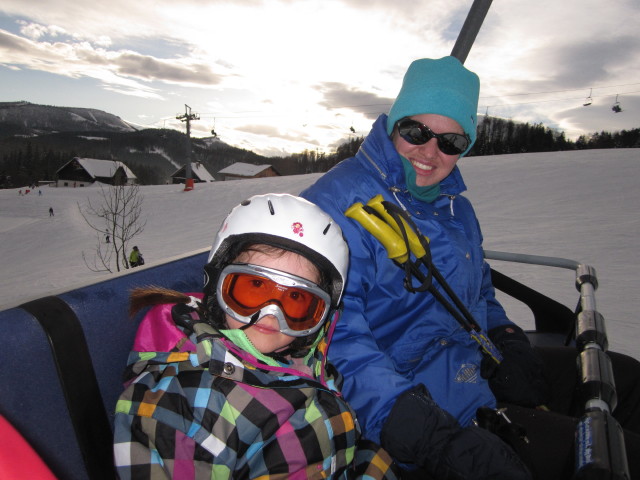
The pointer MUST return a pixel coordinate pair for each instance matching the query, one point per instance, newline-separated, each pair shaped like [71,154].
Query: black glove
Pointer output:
[184,316]
[419,432]
[519,379]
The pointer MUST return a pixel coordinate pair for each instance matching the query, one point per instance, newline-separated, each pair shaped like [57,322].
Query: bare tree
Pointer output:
[119,216]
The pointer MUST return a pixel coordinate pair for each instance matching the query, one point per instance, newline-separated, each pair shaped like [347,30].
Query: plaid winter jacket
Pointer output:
[220,413]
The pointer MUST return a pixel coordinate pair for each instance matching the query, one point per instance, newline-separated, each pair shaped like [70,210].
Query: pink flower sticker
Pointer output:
[298,229]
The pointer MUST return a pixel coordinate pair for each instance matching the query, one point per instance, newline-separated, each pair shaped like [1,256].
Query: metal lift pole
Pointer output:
[600,447]
[470,29]
[188,117]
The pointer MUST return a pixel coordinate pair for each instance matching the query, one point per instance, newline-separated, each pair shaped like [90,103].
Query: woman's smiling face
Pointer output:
[430,164]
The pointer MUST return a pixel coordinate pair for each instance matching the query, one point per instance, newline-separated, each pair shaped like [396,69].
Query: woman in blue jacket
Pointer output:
[414,376]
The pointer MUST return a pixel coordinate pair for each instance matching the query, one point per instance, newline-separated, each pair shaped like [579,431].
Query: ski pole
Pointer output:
[398,235]
[381,231]
[419,246]
[415,245]
[423,255]
[390,238]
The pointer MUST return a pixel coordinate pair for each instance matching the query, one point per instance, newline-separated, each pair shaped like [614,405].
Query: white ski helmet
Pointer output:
[291,223]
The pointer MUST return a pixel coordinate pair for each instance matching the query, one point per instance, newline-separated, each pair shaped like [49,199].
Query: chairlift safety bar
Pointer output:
[586,281]
[532,259]
[600,446]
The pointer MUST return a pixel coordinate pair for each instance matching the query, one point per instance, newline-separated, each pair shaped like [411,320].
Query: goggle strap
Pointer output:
[254,318]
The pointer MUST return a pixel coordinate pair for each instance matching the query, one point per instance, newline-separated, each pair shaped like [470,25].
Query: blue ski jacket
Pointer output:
[389,340]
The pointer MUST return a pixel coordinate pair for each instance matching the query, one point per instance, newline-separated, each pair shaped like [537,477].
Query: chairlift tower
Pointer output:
[188,117]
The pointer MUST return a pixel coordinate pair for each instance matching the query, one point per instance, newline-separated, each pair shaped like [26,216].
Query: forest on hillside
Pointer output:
[496,136]
[154,154]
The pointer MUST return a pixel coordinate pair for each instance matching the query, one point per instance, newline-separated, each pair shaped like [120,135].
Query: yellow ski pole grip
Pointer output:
[390,240]
[414,243]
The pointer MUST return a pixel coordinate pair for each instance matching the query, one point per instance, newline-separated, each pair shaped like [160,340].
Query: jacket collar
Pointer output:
[222,357]
[378,150]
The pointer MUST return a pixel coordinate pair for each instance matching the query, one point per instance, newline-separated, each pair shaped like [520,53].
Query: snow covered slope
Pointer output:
[582,205]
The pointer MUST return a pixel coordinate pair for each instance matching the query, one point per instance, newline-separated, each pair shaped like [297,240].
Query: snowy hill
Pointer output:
[582,205]
[29,119]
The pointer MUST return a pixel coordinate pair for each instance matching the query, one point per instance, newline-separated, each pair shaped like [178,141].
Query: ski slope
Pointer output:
[581,205]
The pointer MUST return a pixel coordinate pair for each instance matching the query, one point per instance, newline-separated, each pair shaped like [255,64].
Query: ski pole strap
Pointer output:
[488,347]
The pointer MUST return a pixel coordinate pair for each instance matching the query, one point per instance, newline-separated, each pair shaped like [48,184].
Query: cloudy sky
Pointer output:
[281,76]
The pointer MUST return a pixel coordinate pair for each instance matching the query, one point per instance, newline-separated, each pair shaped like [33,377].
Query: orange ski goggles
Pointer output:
[249,292]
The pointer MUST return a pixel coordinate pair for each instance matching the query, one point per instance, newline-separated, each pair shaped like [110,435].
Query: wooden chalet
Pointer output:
[82,172]
[240,171]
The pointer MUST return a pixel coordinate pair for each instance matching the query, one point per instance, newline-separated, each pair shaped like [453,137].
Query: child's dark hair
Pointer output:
[152,295]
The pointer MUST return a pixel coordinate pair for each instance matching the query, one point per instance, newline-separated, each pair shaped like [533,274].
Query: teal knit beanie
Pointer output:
[443,87]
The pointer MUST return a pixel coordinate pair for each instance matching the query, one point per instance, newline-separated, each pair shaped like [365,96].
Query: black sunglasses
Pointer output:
[418,134]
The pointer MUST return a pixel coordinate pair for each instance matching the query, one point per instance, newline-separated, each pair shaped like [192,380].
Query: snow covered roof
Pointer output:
[198,169]
[102,168]
[244,169]
[202,172]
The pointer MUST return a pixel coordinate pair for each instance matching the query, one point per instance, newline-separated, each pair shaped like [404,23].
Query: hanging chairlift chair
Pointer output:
[616,106]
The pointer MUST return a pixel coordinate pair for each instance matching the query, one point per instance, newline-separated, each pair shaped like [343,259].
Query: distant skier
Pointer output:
[51,211]
[106,239]
[135,258]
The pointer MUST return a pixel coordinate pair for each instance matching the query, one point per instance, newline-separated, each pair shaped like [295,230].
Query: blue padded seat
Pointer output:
[62,360]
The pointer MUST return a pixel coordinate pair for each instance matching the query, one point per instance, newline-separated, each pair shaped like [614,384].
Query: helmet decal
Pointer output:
[298,229]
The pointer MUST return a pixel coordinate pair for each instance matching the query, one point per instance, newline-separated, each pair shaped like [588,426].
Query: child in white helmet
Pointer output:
[245,390]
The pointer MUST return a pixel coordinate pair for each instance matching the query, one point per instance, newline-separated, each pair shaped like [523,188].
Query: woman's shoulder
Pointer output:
[349,181]
[343,172]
